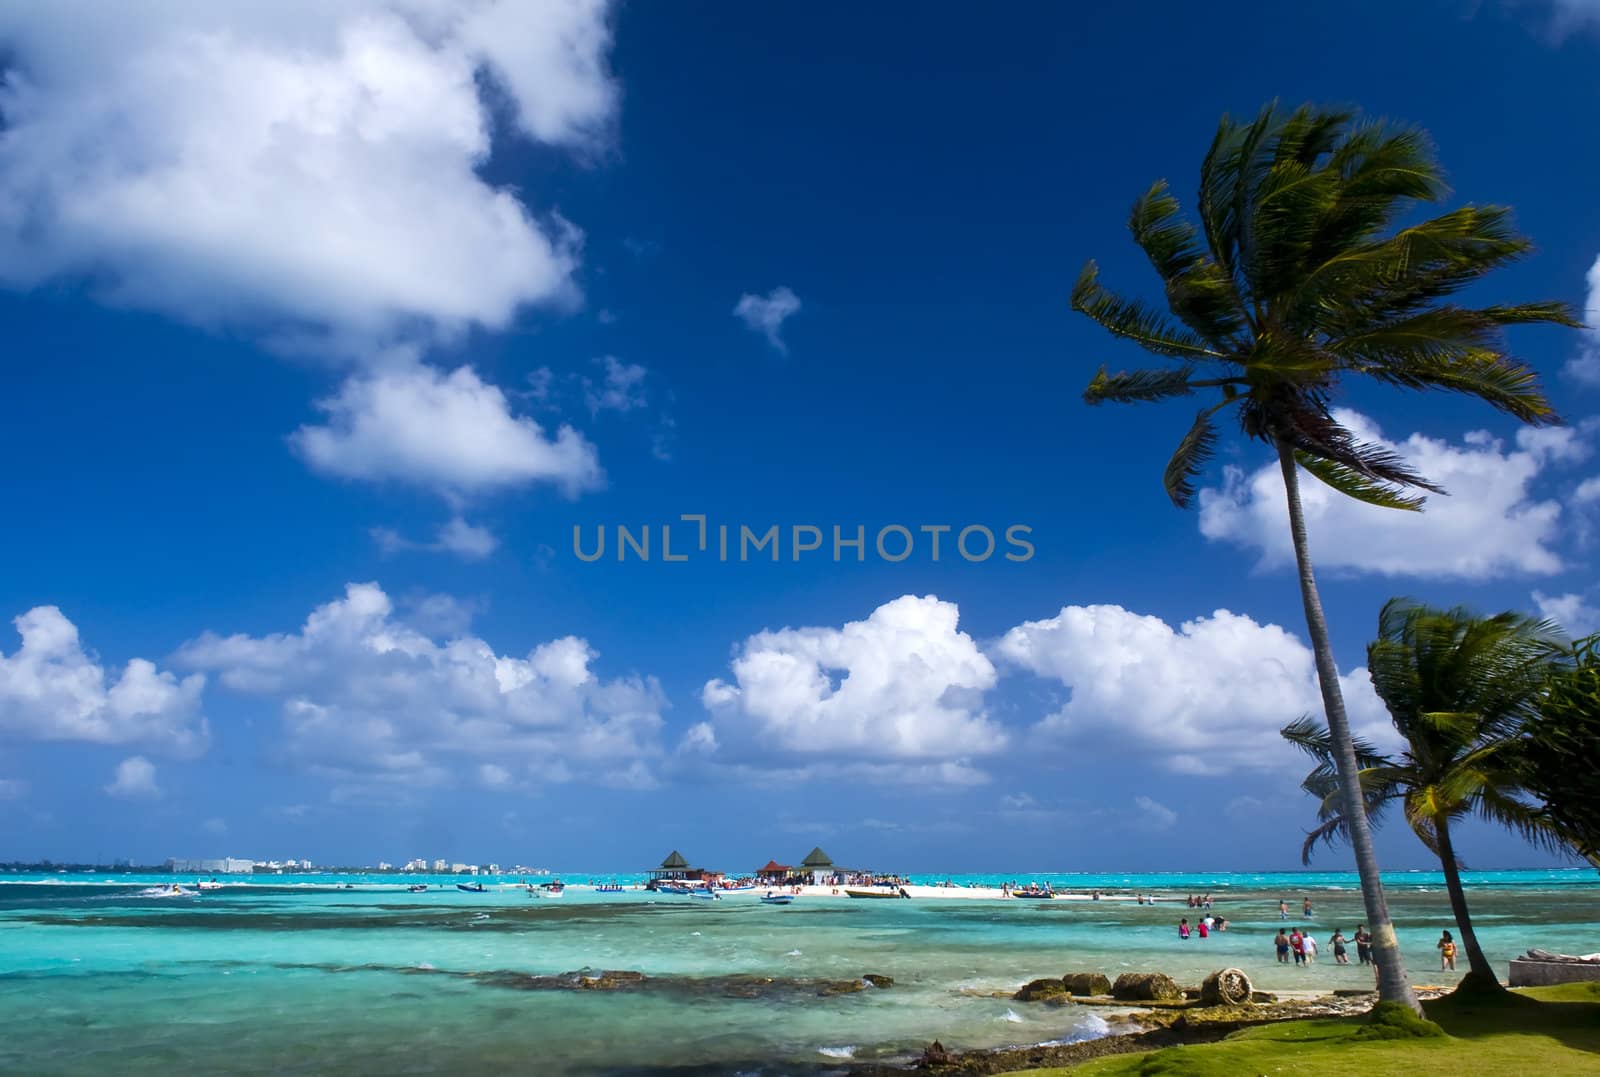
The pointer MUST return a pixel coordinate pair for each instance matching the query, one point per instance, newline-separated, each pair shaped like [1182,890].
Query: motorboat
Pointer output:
[777,899]
[898,892]
[705,895]
[472,888]
[417,888]
[207,884]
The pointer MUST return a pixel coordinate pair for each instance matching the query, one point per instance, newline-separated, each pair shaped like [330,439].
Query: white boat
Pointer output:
[204,884]
[705,895]
[777,899]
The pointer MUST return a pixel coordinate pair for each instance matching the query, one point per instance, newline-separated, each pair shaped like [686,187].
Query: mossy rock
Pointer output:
[1395,1021]
[1041,991]
[1087,983]
[878,981]
[1146,987]
[842,987]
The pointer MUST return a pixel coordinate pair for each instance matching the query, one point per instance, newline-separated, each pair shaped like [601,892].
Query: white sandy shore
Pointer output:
[943,893]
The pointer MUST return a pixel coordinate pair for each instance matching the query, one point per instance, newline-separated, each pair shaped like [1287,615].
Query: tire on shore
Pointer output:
[1226,987]
[1146,987]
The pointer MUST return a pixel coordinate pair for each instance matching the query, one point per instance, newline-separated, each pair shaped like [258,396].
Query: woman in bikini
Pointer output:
[1447,953]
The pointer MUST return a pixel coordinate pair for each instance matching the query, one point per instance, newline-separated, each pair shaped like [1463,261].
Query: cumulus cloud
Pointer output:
[766,313]
[1585,366]
[1496,527]
[901,690]
[1573,612]
[51,688]
[455,536]
[1207,697]
[311,171]
[311,161]
[369,699]
[453,432]
[135,778]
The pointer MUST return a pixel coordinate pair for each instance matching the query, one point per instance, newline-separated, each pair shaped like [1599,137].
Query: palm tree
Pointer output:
[1292,282]
[1460,690]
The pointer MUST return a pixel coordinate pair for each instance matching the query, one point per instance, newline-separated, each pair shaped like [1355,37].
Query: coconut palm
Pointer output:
[1295,280]
[1568,729]
[1460,690]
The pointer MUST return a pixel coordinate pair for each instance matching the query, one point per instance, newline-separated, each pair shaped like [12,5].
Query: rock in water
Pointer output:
[1087,983]
[1226,987]
[878,981]
[1041,991]
[1145,987]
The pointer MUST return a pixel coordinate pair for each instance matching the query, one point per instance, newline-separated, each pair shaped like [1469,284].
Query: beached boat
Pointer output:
[897,893]
[472,888]
[777,899]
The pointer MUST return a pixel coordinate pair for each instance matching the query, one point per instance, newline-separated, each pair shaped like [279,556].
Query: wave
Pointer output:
[847,1051]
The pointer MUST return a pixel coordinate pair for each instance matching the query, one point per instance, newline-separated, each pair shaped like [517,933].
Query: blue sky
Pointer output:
[327,325]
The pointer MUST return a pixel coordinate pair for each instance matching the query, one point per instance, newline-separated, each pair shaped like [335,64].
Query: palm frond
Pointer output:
[1189,458]
[1133,320]
[1138,386]
[1311,430]
[1352,484]
[1496,379]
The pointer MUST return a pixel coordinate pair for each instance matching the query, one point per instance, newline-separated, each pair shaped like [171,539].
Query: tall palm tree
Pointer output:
[1460,690]
[1292,282]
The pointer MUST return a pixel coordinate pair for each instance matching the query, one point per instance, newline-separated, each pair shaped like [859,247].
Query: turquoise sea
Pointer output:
[352,973]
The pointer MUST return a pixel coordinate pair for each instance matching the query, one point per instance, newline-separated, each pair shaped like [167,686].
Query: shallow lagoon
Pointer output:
[295,974]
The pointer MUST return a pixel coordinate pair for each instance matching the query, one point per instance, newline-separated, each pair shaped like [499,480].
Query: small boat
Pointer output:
[547,890]
[471,888]
[210,884]
[736,889]
[417,888]
[705,895]
[777,899]
[899,893]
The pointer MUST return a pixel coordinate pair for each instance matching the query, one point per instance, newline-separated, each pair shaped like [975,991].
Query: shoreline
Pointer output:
[1188,1023]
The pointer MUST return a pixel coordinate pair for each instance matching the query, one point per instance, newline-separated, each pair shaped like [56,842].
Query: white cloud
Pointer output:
[622,390]
[371,700]
[135,778]
[453,432]
[1206,698]
[902,689]
[767,313]
[494,776]
[1154,815]
[13,788]
[1572,612]
[311,161]
[1585,366]
[51,688]
[1495,527]
[467,541]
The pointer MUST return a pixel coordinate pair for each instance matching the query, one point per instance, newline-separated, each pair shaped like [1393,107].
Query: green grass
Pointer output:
[1547,1031]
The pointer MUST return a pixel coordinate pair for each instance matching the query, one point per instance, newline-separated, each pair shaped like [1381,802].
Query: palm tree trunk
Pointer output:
[1393,986]
[1481,972]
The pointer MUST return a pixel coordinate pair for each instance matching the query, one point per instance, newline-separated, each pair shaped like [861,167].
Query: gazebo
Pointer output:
[675,867]
[818,865]
[774,872]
